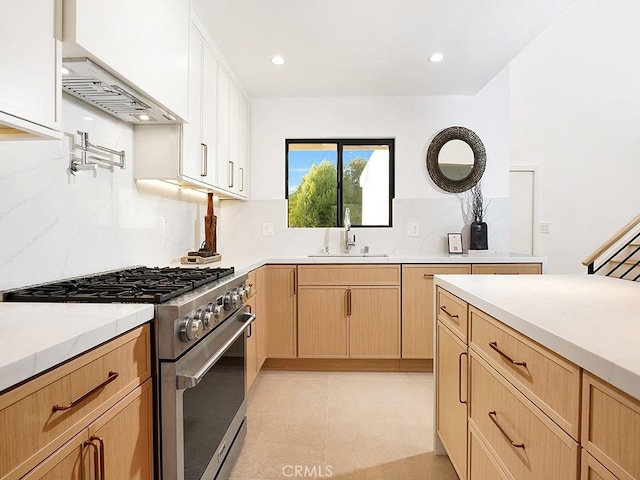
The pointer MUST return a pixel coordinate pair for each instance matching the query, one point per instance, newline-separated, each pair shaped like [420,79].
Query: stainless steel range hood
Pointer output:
[88,81]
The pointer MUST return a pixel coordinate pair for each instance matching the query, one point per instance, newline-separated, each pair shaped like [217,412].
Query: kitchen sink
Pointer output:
[346,255]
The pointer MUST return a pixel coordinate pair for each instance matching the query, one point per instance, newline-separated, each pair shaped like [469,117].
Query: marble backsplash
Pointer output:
[54,225]
[241,232]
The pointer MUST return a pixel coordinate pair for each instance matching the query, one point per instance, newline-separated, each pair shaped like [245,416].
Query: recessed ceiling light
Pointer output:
[436,57]
[143,117]
[88,119]
[277,60]
[65,71]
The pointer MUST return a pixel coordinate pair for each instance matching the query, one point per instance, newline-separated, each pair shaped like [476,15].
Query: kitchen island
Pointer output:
[538,376]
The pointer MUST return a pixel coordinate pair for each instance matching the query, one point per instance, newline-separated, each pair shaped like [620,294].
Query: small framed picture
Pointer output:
[455,242]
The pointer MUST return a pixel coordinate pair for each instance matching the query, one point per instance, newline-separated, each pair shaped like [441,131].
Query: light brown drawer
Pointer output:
[349,275]
[524,441]
[611,427]
[452,312]
[481,464]
[32,430]
[547,379]
[506,269]
[593,470]
[428,271]
[252,282]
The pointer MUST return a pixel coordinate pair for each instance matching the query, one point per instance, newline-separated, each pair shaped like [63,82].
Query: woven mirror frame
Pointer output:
[479,159]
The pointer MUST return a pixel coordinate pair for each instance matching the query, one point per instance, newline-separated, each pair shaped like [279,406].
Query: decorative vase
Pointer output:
[478,236]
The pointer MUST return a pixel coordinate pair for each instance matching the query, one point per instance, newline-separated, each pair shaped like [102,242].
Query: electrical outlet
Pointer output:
[413,229]
[545,227]
[268,229]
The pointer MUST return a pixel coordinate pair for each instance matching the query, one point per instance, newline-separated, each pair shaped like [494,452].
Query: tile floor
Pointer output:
[355,426]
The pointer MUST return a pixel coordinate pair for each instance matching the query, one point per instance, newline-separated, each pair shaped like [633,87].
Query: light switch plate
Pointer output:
[268,229]
[545,227]
[413,229]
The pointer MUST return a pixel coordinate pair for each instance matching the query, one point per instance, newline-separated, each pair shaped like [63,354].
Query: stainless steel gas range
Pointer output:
[200,327]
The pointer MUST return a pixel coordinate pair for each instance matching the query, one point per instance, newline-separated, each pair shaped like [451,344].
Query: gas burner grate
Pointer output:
[131,285]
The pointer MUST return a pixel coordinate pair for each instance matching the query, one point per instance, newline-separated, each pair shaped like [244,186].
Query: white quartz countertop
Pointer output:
[37,336]
[246,263]
[591,320]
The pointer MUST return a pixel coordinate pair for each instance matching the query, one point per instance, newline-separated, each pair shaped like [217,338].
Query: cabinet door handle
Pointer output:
[444,309]
[96,438]
[110,378]
[349,302]
[205,158]
[494,419]
[494,345]
[460,377]
[96,458]
[428,275]
[295,282]
[231,173]
[241,179]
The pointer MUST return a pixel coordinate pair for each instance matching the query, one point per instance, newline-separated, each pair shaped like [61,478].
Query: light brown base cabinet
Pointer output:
[281,310]
[418,294]
[52,430]
[451,378]
[257,333]
[349,311]
[417,306]
[530,413]
[334,312]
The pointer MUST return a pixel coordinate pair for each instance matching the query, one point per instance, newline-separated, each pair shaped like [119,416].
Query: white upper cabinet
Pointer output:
[145,42]
[30,80]
[233,135]
[199,153]
[211,151]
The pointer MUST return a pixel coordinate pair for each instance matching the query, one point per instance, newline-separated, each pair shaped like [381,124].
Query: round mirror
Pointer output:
[456,159]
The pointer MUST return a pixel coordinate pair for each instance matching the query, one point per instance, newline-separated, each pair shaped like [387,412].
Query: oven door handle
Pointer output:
[184,381]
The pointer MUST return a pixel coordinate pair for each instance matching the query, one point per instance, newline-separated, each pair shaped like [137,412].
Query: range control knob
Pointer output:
[243,293]
[207,315]
[231,301]
[212,315]
[191,329]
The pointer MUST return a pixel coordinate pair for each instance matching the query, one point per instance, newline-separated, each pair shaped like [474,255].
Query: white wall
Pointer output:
[54,225]
[412,121]
[575,113]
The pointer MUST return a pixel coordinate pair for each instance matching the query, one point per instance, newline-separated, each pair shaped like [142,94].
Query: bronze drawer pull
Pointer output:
[444,309]
[428,275]
[492,416]
[110,378]
[494,345]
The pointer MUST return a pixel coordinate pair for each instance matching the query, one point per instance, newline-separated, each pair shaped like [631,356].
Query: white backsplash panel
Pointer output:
[241,234]
[54,225]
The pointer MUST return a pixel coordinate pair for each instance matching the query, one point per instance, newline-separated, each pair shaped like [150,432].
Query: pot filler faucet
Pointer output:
[349,240]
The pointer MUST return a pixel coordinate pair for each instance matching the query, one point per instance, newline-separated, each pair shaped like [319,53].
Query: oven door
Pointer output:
[203,402]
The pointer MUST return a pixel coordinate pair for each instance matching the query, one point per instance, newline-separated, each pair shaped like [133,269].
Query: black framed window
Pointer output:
[324,177]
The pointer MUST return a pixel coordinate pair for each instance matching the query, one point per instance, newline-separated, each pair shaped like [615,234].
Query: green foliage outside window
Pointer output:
[314,203]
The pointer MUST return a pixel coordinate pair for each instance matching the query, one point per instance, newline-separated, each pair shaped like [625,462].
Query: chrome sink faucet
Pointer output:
[349,239]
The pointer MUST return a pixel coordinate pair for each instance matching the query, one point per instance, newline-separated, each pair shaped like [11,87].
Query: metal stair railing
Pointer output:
[626,254]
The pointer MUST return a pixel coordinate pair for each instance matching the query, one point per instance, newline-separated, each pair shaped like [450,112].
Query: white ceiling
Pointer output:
[372,47]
